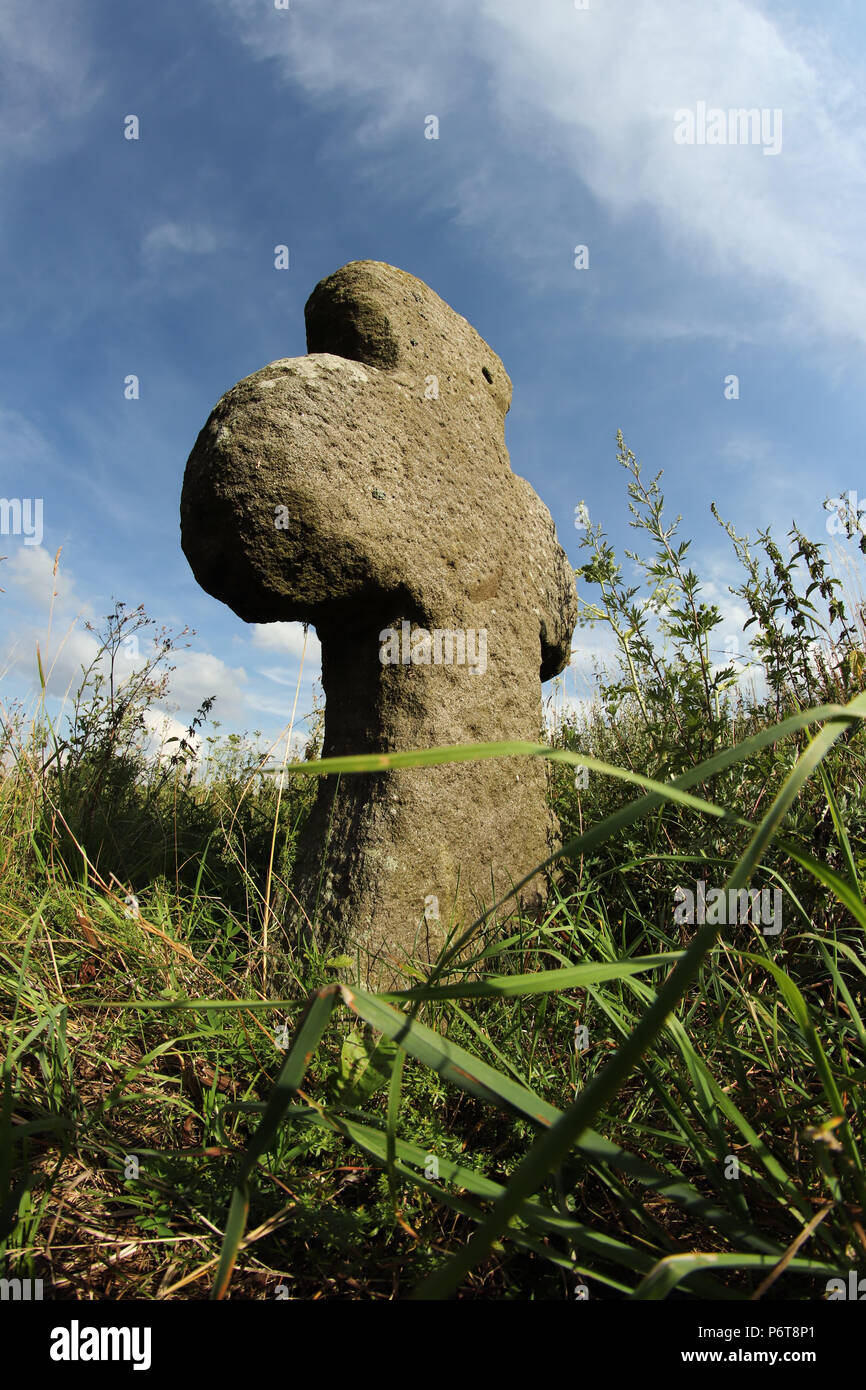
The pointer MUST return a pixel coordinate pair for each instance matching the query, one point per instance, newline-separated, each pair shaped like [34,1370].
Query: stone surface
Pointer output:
[365,486]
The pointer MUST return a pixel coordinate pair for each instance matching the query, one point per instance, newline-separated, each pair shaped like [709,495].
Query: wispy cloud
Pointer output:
[47,83]
[584,102]
[748,450]
[183,238]
[22,444]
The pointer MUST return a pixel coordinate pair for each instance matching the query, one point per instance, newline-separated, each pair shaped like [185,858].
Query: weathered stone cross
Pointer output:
[366,488]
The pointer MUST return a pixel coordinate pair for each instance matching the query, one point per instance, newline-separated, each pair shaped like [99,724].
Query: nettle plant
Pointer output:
[107,723]
[667,676]
[678,692]
[99,777]
[807,659]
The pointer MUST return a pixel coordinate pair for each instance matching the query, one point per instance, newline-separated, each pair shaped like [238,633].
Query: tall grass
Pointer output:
[606,1097]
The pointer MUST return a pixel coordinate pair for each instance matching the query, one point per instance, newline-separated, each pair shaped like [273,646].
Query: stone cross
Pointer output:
[366,489]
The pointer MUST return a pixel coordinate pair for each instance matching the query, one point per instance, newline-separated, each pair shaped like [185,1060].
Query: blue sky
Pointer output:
[306,127]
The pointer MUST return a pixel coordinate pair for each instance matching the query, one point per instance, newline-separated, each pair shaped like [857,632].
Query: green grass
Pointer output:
[169,1130]
[699,1050]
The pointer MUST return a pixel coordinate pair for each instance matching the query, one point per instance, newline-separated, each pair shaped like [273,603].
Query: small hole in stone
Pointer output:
[488,375]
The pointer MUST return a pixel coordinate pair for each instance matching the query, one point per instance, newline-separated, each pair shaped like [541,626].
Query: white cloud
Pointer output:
[585,100]
[23,444]
[61,653]
[39,592]
[280,676]
[280,710]
[67,645]
[187,238]
[161,728]
[586,650]
[48,82]
[31,570]
[658,325]
[749,450]
[199,675]
[287,638]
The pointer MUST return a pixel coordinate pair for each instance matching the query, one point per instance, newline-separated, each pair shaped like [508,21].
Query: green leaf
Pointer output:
[553,1145]
[365,1066]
